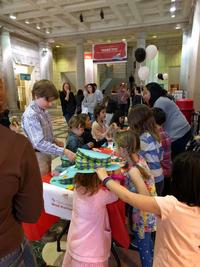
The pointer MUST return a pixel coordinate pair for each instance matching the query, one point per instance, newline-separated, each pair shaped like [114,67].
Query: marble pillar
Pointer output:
[46,61]
[80,67]
[185,57]
[8,70]
[193,81]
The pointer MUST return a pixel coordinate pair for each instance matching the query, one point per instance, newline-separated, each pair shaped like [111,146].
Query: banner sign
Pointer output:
[110,52]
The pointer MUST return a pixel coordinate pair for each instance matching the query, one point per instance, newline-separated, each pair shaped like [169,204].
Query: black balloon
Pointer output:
[160,76]
[140,54]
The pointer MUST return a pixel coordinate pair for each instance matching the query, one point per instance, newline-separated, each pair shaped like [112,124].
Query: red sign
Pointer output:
[87,55]
[109,52]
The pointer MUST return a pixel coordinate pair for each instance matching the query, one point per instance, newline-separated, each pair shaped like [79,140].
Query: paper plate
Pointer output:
[64,183]
[111,167]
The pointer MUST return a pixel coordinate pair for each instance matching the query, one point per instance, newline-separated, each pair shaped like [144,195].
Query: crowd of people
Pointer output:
[162,182]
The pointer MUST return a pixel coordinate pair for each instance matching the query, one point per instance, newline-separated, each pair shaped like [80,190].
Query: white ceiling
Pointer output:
[122,18]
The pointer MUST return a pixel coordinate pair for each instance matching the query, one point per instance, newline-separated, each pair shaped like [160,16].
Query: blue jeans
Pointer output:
[20,257]
[145,247]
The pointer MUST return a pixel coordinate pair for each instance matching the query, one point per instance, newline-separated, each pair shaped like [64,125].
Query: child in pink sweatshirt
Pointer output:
[89,236]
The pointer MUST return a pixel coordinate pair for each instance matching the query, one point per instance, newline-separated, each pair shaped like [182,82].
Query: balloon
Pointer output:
[160,76]
[143,73]
[165,76]
[140,54]
[151,51]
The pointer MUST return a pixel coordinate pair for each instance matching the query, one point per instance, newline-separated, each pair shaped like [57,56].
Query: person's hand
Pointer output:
[102,173]
[114,126]
[70,155]
[59,143]
[90,144]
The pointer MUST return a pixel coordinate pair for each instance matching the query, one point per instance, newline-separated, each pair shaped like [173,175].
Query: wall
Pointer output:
[168,58]
[26,53]
[64,61]
[193,77]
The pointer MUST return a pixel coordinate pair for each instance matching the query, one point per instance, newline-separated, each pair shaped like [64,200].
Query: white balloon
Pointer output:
[165,76]
[143,73]
[151,51]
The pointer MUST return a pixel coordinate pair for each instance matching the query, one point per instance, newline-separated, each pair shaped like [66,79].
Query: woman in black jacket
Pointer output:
[68,101]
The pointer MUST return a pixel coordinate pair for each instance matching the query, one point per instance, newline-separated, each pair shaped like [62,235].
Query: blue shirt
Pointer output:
[152,152]
[38,128]
[176,124]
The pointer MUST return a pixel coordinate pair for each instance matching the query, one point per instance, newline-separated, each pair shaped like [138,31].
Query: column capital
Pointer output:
[79,41]
[141,35]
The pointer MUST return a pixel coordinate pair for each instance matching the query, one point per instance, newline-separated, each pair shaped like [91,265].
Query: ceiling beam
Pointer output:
[119,14]
[134,10]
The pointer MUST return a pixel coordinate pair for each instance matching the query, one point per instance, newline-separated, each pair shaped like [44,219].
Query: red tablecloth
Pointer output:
[116,212]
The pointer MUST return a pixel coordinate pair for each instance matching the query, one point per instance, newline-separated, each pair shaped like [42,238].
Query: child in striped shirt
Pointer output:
[166,163]
[141,121]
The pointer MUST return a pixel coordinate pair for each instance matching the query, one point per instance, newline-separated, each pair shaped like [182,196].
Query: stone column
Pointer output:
[46,61]
[141,43]
[80,67]
[185,56]
[193,81]
[8,70]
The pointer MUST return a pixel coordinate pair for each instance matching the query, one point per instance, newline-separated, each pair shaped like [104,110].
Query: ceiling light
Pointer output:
[81,17]
[173,1]
[12,16]
[154,36]
[38,27]
[178,27]
[57,46]
[27,22]
[173,16]
[101,14]
[172,9]
[47,31]
[51,41]
[124,40]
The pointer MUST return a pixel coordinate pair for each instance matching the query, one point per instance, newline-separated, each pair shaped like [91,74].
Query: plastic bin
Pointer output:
[186,105]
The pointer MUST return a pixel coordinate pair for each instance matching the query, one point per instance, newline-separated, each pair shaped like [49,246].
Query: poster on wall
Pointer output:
[110,52]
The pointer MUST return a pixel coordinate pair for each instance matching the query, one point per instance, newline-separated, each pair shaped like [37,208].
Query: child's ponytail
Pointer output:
[146,174]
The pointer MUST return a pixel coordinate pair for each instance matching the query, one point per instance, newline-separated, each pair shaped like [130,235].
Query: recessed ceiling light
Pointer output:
[178,27]
[172,9]
[173,16]
[27,22]
[51,41]
[124,40]
[47,31]
[12,17]
[38,27]
[57,46]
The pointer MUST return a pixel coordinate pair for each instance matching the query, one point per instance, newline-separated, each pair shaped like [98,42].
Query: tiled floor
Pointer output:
[128,258]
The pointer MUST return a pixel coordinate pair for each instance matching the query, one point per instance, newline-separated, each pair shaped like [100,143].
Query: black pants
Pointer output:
[167,186]
[159,187]
[179,145]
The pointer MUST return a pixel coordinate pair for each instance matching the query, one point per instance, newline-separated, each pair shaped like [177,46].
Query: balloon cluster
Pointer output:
[161,76]
[140,55]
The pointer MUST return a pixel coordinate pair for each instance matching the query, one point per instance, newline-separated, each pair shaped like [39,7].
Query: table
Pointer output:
[116,213]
